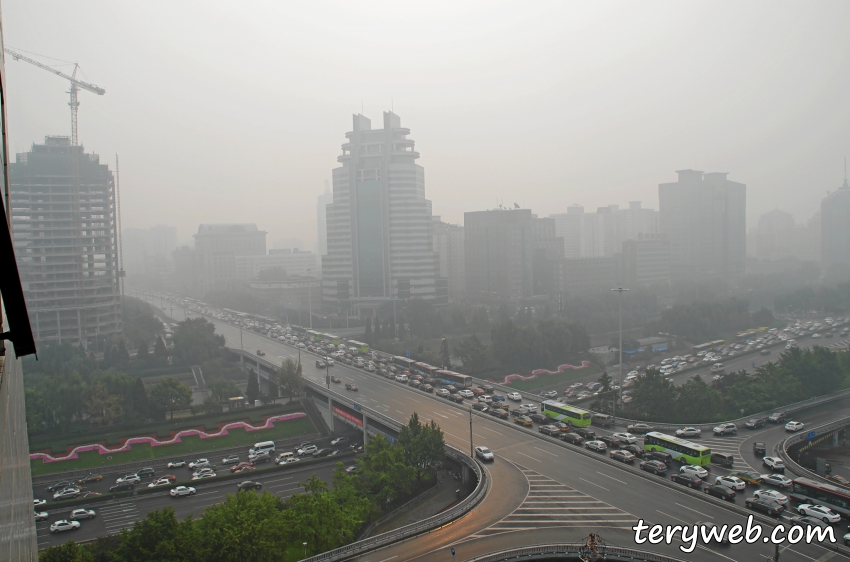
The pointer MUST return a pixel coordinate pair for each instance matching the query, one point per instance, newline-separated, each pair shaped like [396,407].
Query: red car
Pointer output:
[170,477]
[242,465]
[243,469]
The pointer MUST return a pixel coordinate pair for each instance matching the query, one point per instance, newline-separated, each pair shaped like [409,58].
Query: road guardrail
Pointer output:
[808,434]
[572,551]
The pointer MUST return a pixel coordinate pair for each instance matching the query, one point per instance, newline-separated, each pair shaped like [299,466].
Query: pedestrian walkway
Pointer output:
[552,504]
[119,516]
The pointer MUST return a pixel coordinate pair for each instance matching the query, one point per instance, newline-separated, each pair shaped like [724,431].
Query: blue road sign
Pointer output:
[453,551]
[357,407]
[408,353]
[810,435]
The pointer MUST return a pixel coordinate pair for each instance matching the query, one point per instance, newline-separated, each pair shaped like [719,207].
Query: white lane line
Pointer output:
[455,436]
[671,517]
[611,477]
[390,558]
[694,510]
[400,412]
[478,436]
[441,415]
[545,451]
[594,484]
[532,458]
[493,430]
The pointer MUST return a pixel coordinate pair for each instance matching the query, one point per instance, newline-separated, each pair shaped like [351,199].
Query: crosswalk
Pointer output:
[841,344]
[552,504]
[728,446]
[119,516]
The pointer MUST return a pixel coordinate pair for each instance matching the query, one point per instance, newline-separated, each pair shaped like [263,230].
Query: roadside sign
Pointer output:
[356,407]
[453,553]
[408,353]
[810,435]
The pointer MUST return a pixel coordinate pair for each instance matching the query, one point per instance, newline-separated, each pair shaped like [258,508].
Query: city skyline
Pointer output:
[720,109]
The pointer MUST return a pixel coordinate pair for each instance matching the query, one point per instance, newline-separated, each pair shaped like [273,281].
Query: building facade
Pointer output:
[66,242]
[601,234]
[448,244]
[646,261]
[582,276]
[322,220]
[704,217]
[292,261]
[295,292]
[835,228]
[216,248]
[380,244]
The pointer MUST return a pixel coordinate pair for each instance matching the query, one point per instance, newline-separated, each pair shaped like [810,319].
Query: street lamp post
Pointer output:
[305,550]
[620,290]
[471,448]
[309,298]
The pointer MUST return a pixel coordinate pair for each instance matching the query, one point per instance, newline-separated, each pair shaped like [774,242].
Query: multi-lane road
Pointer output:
[544,490]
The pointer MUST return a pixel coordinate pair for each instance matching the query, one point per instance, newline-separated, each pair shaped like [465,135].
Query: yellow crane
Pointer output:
[76,86]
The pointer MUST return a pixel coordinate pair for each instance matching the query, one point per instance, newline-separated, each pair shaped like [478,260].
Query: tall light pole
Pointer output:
[309,297]
[471,448]
[620,290]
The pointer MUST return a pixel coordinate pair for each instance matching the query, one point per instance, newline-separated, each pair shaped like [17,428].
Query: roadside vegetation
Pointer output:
[262,527]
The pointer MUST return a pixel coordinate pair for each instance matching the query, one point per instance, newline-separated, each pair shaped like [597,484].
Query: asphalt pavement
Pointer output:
[609,498]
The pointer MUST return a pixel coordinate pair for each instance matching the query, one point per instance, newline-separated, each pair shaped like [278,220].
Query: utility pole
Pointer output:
[309,297]
[620,290]
[471,447]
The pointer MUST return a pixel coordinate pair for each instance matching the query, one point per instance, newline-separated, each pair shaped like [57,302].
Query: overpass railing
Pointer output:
[797,469]
[573,551]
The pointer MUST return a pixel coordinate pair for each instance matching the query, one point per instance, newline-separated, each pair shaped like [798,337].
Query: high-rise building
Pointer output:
[147,251]
[777,235]
[66,242]
[508,253]
[570,227]
[704,217]
[601,234]
[216,248]
[835,227]
[448,244]
[321,220]
[292,261]
[646,261]
[379,224]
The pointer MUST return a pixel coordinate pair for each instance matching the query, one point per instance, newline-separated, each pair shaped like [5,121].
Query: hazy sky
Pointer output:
[235,111]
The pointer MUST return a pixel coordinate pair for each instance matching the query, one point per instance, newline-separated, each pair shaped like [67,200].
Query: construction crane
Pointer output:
[76,85]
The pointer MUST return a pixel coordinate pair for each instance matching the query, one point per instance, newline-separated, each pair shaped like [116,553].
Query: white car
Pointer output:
[64,525]
[794,426]
[288,460]
[627,438]
[82,514]
[484,399]
[307,450]
[514,396]
[466,393]
[819,512]
[129,479]
[695,470]
[41,516]
[38,503]
[530,407]
[182,491]
[159,482]
[194,464]
[730,482]
[67,493]
[203,475]
[176,464]
[775,464]
[329,361]
[484,453]
[688,432]
[725,429]
[779,480]
[778,497]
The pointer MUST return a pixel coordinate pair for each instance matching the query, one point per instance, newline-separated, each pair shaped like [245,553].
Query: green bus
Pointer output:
[567,414]
[683,451]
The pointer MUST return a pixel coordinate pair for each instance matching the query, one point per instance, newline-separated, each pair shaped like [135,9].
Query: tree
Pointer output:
[474,355]
[160,352]
[253,390]
[445,354]
[142,349]
[196,342]
[160,536]
[368,334]
[697,402]
[170,395]
[68,552]
[245,526]
[136,401]
[290,376]
[480,319]
[423,446]
[653,396]
[378,334]
[221,389]
[103,408]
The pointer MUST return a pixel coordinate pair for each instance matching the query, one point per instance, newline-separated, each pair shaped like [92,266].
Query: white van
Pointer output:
[262,446]
[283,458]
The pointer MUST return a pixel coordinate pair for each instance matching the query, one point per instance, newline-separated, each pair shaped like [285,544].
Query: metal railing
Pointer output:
[793,466]
[573,550]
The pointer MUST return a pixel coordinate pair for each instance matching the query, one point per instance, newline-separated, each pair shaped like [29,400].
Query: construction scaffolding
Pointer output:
[64,223]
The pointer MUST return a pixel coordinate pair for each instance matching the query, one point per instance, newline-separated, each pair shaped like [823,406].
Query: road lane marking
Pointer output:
[545,451]
[400,412]
[532,458]
[694,510]
[391,557]
[671,517]
[593,484]
[611,477]
[441,415]
[493,430]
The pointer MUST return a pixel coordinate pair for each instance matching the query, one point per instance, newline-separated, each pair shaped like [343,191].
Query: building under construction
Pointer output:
[66,242]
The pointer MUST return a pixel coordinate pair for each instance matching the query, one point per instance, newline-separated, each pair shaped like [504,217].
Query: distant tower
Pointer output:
[835,226]
[321,220]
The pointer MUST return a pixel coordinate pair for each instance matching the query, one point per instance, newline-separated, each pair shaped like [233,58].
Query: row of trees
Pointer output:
[824,298]
[797,375]
[262,527]
[707,320]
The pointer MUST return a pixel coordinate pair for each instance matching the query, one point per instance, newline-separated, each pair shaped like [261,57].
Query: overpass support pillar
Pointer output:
[331,420]
[365,435]
[834,439]
[466,475]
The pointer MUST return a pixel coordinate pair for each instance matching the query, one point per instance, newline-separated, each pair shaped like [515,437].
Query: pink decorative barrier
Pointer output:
[270,421]
[533,375]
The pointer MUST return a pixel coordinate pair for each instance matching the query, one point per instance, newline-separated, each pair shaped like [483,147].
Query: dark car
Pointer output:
[451,388]
[807,521]
[487,388]
[777,417]
[427,388]
[640,428]
[721,492]
[666,458]
[764,505]
[249,485]
[612,442]
[322,453]
[517,412]
[539,418]
[623,456]
[759,448]
[122,487]
[549,430]
[723,459]
[755,423]
[635,450]
[655,467]
[691,480]
[573,438]
[480,406]
[61,486]
[585,433]
[498,413]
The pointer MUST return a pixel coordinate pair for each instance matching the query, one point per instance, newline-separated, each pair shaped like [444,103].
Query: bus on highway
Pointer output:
[456,379]
[361,347]
[405,363]
[426,370]
[566,413]
[683,451]
[833,497]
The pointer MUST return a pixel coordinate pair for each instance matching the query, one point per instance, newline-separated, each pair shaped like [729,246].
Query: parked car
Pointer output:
[722,492]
